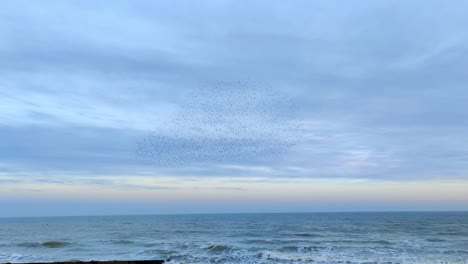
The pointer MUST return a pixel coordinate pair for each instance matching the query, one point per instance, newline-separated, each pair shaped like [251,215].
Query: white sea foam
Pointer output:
[263,238]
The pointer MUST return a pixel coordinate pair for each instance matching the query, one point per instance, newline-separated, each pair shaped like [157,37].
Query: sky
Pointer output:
[148,107]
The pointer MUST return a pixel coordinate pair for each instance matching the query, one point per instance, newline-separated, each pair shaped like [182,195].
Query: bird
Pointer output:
[224,123]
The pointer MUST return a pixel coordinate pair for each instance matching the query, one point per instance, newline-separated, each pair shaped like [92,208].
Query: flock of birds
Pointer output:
[228,123]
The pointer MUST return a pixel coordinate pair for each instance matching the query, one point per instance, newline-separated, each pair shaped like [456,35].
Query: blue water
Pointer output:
[241,238]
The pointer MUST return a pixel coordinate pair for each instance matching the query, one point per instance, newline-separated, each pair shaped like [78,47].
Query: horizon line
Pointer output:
[244,213]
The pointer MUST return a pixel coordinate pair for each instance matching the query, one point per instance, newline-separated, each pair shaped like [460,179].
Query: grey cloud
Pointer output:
[381,83]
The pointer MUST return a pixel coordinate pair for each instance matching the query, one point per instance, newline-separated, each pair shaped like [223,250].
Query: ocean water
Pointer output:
[241,238]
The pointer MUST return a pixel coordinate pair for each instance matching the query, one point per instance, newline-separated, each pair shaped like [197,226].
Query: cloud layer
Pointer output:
[369,89]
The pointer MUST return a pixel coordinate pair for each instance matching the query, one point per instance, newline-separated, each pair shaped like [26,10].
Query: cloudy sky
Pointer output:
[143,107]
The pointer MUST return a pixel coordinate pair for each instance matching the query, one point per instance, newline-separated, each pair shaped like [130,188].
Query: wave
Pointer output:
[13,257]
[347,241]
[301,248]
[122,241]
[54,244]
[453,233]
[281,256]
[260,241]
[379,242]
[457,252]
[435,240]
[218,248]
[158,253]
[307,235]
[47,244]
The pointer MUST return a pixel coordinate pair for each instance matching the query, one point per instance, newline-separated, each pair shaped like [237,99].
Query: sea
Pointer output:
[331,238]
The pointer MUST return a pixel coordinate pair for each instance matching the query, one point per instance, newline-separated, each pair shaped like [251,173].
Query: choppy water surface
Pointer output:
[241,238]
